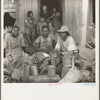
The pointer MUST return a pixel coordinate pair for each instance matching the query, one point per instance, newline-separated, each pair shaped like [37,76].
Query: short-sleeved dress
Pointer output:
[13,45]
[30,27]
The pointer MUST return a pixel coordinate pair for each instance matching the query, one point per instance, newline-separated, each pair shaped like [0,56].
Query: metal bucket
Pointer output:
[34,70]
[51,71]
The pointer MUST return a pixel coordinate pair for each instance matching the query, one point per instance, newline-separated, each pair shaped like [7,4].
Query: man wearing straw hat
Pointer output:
[66,47]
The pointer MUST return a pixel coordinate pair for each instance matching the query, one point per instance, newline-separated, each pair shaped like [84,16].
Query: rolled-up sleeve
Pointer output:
[71,44]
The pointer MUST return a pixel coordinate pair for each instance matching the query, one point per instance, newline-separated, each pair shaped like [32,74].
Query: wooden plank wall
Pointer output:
[90,19]
[73,13]
[73,19]
[85,5]
[23,6]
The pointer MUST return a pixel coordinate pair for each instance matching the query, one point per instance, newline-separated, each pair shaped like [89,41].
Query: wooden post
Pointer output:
[35,7]
[17,13]
[84,21]
[63,12]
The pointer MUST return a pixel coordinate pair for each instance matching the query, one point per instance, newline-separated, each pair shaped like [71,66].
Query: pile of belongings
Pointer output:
[16,68]
[19,70]
[87,73]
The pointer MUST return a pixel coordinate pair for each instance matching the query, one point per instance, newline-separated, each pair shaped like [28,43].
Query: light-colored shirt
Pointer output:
[45,43]
[67,45]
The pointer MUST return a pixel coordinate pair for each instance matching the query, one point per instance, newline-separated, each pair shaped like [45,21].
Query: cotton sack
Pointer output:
[74,75]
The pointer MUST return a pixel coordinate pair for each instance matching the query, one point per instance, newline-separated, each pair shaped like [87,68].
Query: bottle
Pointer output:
[34,70]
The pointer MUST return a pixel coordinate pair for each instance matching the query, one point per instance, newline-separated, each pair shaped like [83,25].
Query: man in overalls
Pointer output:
[66,47]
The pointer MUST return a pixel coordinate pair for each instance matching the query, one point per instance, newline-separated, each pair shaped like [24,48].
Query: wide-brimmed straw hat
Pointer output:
[64,28]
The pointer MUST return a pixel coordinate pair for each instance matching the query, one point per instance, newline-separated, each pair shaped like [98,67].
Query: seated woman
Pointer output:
[45,42]
[13,47]
[66,47]
[15,57]
[14,43]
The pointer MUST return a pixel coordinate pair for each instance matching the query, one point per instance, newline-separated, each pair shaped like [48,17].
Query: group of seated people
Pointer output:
[61,48]
[60,44]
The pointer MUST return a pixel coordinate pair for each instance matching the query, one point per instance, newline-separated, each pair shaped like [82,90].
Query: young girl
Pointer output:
[30,24]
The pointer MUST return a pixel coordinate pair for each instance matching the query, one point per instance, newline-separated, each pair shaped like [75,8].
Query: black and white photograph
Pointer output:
[49,41]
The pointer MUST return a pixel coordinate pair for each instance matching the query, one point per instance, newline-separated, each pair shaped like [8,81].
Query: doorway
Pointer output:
[93,5]
[9,19]
[52,4]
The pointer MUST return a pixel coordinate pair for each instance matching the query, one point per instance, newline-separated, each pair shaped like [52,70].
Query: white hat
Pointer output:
[64,28]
